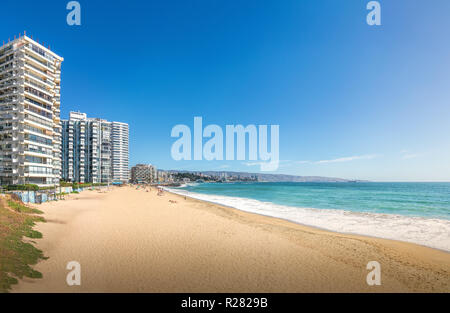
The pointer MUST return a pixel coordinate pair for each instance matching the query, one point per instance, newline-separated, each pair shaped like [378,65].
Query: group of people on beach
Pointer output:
[158,188]
[148,189]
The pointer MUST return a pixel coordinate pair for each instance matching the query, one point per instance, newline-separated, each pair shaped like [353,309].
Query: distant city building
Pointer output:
[88,150]
[165,177]
[143,173]
[30,128]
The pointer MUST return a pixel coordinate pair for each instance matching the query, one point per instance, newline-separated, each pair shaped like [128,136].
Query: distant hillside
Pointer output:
[271,177]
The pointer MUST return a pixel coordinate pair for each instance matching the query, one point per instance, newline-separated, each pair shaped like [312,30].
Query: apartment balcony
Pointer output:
[15,149]
[40,113]
[33,120]
[34,51]
[38,72]
[37,59]
[39,79]
[8,97]
[18,66]
[9,109]
[40,175]
[37,153]
[13,173]
[9,83]
[36,132]
[17,129]
[36,97]
[15,161]
[17,137]
[39,87]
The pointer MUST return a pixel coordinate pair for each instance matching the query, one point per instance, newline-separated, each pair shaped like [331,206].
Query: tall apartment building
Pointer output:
[88,149]
[144,173]
[30,127]
[120,152]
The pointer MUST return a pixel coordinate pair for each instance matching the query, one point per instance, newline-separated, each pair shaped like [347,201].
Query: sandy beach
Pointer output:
[129,240]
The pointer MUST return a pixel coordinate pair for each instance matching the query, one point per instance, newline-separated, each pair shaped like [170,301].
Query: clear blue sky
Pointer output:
[351,100]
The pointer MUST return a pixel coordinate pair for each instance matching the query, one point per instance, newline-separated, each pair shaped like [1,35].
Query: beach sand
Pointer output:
[129,240]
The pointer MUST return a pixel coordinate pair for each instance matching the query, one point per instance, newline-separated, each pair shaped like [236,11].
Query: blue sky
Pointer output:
[352,100]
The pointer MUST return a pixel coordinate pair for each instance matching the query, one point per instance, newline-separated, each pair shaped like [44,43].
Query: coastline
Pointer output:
[194,246]
[342,219]
[304,225]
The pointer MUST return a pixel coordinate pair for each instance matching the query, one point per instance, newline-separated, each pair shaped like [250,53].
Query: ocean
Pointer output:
[411,212]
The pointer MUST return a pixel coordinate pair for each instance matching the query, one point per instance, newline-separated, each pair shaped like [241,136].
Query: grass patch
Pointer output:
[16,256]
[20,207]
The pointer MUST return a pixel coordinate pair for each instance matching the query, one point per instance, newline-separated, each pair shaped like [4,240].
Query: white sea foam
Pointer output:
[429,232]
[184,185]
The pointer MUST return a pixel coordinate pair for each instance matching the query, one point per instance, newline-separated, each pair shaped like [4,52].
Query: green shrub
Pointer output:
[80,185]
[47,188]
[25,187]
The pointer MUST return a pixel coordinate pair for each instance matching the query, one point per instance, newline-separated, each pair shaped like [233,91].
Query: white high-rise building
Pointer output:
[94,150]
[120,152]
[86,149]
[30,127]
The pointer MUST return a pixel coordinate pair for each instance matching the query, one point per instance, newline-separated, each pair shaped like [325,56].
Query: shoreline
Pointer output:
[169,244]
[306,225]
[417,222]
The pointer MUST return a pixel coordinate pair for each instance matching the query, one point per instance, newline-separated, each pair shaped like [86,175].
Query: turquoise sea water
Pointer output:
[431,200]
